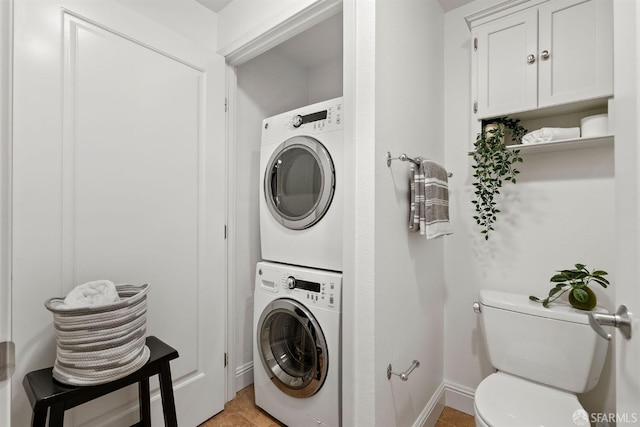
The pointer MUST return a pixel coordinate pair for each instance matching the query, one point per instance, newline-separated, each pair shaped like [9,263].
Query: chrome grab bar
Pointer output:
[403,375]
[620,320]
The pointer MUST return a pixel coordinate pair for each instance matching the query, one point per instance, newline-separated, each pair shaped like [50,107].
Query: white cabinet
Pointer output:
[577,37]
[554,53]
[506,81]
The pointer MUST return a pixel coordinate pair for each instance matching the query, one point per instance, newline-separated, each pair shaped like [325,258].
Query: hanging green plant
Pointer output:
[494,165]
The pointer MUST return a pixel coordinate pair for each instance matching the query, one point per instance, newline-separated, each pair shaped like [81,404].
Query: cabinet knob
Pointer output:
[531,58]
[545,54]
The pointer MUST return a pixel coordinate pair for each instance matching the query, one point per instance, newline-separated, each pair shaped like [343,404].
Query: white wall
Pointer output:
[269,84]
[325,81]
[560,212]
[188,18]
[409,270]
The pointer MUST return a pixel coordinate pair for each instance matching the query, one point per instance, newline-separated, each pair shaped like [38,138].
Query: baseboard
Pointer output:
[449,394]
[459,397]
[431,412]
[244,376]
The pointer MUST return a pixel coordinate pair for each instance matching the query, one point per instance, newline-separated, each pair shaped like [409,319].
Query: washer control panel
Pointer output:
[316,288]
[322,293]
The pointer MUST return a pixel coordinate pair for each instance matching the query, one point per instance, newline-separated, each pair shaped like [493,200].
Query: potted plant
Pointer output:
[575,281]
[494,164]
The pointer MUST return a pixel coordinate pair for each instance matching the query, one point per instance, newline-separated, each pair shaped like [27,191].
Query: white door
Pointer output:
[507,80]
[575,55]
[119,173]
[627,155]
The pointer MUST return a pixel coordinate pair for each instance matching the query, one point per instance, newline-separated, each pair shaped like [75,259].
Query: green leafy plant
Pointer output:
[576,281]
[494,165]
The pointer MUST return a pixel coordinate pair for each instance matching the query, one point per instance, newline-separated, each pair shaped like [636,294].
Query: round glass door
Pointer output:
[292,348]
[299,182]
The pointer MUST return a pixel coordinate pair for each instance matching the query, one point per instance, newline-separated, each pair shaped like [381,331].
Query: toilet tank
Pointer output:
[553,346]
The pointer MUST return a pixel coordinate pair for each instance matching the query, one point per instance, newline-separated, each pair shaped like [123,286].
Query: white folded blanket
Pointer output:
[91,294]
[550,134]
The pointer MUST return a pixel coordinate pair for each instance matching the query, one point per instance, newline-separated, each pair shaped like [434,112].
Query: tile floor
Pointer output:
[242,412]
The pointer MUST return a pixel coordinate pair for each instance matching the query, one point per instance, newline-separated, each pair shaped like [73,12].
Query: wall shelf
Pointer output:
[563,145]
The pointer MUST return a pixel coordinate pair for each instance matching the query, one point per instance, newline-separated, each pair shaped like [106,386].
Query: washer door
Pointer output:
[292,348]
[299,182]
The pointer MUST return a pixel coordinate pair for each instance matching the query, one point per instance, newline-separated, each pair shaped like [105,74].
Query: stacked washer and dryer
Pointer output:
[297,303]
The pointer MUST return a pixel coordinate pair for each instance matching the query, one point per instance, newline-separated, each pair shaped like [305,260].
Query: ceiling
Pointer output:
[448,5]
[215,5]
[218,5]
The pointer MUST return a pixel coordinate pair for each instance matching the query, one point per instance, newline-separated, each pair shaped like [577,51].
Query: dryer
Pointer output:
[301,164]
[296,346]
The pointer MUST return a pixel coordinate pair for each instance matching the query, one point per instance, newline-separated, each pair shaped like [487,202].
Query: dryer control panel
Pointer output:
[323,120]
[311,287]
[313,119]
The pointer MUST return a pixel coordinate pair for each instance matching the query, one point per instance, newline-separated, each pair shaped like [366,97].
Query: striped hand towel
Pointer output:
[429,198]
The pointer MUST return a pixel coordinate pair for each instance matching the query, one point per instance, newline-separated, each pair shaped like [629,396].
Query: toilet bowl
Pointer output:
[543,357]
[506,400]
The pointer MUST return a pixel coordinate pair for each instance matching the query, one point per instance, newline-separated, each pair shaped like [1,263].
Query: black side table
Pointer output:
[44,392]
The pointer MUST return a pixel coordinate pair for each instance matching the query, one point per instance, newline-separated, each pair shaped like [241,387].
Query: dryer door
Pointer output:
[292,348]
[299,182]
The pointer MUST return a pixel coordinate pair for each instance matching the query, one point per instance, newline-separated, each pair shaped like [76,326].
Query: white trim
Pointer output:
[431,412]
[498,11]
[232,85]
[459,397]
[263,38]
[244,376]
[449,394]
[6,105]
[349,316]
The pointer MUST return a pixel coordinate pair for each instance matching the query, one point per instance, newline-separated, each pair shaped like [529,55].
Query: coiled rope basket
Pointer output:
[97,345]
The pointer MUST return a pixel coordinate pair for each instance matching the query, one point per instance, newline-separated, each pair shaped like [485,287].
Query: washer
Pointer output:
[301,160]
[296,346]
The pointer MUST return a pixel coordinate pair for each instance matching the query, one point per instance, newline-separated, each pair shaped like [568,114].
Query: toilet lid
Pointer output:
[505,400]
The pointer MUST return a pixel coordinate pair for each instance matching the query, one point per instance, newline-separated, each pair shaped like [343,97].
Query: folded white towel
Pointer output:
[550,134]
[429,198]
[91,294]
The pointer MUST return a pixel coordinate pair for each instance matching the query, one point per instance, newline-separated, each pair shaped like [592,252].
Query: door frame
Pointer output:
[6,100]
[236,56]
[627,205]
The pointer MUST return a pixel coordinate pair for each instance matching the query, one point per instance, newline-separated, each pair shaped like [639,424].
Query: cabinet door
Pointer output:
[507,80]
[578,36]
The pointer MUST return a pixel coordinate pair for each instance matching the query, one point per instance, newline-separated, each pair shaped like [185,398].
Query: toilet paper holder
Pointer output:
[403,375]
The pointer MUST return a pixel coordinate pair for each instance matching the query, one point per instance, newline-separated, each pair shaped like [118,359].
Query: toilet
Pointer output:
[543,357]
